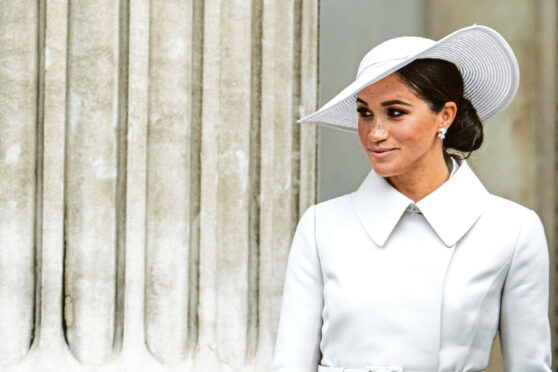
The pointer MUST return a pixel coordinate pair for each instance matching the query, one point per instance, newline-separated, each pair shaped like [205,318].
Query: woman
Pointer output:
[419,268]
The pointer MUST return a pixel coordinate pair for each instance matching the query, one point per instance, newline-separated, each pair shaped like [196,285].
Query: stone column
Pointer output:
[152,175]
[93,129]
[518,157]
[19,118]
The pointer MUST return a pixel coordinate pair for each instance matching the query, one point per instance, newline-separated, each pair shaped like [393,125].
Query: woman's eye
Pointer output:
[364,112]
[393,112]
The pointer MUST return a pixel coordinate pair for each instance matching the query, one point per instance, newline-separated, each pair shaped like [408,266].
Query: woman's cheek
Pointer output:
[362,132]
[407,135]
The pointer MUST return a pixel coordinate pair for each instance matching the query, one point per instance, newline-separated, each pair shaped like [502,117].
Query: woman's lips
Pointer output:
[381,153]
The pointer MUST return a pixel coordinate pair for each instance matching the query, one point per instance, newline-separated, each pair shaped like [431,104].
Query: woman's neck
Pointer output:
[421,180]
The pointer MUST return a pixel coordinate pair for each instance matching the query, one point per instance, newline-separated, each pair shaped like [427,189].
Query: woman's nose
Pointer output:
[377,133]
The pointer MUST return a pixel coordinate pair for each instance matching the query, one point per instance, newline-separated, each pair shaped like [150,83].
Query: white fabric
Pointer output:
[486,61]
[367,369]
[369,284]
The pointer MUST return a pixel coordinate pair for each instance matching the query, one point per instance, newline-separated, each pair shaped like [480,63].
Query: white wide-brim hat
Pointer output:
[484,58]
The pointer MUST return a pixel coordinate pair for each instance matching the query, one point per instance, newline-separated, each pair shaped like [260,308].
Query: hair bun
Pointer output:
[466,132]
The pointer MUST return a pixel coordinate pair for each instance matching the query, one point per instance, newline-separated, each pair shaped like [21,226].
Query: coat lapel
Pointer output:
[451,210]
[454,207]
[379,206]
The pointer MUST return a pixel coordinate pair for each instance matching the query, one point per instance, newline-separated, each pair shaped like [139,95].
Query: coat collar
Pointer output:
[451,209]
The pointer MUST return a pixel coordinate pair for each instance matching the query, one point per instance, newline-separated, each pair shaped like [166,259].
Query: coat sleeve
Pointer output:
[298,338]
[524,325]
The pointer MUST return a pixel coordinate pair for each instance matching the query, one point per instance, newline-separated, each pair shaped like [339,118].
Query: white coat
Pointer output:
[377,283]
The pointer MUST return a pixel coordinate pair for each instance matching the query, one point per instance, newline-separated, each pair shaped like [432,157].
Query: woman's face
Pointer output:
[397,128]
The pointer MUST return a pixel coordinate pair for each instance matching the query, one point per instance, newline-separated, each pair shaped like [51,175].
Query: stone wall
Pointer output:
[151,177]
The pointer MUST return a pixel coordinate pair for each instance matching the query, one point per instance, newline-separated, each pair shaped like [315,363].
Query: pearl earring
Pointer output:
[442,133]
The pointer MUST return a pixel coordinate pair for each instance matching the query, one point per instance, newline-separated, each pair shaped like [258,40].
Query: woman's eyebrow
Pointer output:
[362,101]
[395,102]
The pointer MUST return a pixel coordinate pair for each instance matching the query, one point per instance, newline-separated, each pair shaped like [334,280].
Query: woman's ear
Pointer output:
[447,114]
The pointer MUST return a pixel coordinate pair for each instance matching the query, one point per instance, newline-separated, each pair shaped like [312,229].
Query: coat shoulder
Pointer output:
[506,208]
[336,206]
[509,215]
[327,212]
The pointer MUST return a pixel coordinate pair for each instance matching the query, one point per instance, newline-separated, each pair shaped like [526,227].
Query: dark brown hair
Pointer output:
[437,82]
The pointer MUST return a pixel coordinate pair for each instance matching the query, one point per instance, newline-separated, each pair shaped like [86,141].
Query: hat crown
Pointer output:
[393,50]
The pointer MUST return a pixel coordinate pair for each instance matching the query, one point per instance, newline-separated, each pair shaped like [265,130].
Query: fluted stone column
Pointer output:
[91,176]
[152,175]
[19,116]
[518,157]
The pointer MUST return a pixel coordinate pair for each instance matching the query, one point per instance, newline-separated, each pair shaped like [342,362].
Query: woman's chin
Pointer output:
[384,170]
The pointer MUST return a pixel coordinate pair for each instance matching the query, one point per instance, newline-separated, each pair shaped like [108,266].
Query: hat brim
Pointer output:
[486,61]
